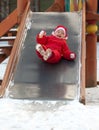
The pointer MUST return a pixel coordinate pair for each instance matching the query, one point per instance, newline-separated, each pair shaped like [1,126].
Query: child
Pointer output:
[54,47]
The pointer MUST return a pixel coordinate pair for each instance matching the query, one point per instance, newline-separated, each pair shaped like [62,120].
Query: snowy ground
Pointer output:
[92,95]
[33,115]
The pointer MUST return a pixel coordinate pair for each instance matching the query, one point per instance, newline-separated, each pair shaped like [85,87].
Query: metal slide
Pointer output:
[37,80]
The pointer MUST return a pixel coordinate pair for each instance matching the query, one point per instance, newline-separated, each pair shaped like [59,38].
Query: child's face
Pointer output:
[60,33]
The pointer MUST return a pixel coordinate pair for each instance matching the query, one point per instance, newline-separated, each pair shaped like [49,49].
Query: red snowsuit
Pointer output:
[58,46]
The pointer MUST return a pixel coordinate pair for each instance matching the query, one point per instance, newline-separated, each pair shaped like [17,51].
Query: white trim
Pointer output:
[61,29]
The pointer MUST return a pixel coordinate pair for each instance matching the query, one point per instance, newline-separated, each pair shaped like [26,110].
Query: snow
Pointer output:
[3,66]
[47,115]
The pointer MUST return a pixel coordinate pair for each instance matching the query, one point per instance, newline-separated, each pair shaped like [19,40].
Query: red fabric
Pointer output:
[58,46]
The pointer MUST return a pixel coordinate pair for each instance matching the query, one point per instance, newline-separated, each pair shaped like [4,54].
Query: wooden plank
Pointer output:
[0,82]
[5,44]
[2,53]
[8,38]
[7,47]
[13,30]
[7,51]
[14,52]
[2,57]
[80,4]
[8,23]
[92,16]
[83,57]
[67,5]
[73,5]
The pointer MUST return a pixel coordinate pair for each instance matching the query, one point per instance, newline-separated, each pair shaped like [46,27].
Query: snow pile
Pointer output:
[31,115]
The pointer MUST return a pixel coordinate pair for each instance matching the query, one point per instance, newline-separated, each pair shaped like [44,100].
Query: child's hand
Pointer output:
[42,33]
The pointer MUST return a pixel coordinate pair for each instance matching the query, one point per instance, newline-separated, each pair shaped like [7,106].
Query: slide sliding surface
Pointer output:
[34,79]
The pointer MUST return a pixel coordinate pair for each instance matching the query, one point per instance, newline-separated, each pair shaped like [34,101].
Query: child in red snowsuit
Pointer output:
[54,47]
